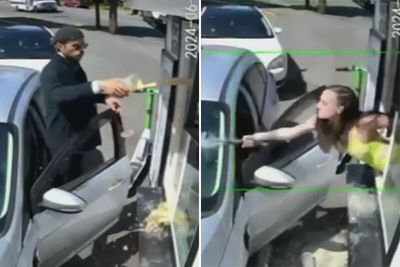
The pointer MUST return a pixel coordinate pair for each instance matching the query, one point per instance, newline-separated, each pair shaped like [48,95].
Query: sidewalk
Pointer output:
[318,243]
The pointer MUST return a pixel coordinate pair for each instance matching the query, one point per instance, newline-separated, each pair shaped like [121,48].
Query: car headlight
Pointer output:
[277,63]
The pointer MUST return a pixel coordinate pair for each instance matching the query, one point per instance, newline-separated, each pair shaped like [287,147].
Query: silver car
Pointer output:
[245,27]
[48,212]
[249,197]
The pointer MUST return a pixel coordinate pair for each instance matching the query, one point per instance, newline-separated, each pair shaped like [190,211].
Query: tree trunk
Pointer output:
[322,6]
[307,4]
[97,14]
[113,17]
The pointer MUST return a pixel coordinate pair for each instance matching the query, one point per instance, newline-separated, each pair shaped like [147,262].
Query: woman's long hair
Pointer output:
[335,133]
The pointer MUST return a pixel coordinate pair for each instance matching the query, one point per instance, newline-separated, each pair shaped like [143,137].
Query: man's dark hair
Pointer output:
[66,34]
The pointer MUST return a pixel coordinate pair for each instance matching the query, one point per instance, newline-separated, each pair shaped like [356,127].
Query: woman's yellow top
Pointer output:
[375,152]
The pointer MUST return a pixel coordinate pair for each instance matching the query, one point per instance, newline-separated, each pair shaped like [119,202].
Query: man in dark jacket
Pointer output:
[71,99]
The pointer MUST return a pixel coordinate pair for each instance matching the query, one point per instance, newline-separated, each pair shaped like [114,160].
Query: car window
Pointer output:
[73,165]
[36,154]
[40,103]
[16,44]
[35,158]
[279,154]
[256,81]
[298,113]
[214,159]
[7,159]
[192,121]
[187,205]
[390,195]
[231,23]
[246,114]
[84,162]
[245,124]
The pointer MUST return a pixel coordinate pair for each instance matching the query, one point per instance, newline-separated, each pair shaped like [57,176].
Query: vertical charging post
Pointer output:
[150,94]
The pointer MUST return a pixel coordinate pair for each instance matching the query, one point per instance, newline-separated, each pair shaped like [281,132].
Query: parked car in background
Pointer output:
[241,213]
[34,5]
[26,46]
[77,3]
[155,19]
[248,28]
[48,211]
[367,4]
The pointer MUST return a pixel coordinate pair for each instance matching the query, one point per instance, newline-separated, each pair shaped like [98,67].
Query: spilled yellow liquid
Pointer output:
[162,216]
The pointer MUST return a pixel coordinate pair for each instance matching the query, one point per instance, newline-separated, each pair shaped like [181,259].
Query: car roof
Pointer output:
[216,68]
[230,8]
[12,80]
[22,28]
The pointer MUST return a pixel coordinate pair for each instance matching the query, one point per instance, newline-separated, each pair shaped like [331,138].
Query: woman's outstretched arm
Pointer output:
[281,134]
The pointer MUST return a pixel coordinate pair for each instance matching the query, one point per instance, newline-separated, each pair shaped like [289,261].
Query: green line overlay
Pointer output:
[299,52]
[315,189]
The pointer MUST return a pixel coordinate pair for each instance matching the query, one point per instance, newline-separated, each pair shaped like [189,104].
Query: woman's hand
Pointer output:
[374,121]
[248,141]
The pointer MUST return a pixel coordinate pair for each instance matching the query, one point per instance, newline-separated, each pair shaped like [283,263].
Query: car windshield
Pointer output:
[18,44]
[6,163]
[213,129]
[231,23]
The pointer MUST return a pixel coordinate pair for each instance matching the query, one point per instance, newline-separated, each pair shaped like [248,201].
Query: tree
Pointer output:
[113,26]
[97,13]
[322,6]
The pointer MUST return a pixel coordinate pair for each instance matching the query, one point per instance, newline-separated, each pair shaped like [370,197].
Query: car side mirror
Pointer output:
[63,201]
[277,30]
[270,177]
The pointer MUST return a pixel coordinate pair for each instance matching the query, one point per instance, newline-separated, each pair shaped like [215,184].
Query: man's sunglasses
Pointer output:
[80,46]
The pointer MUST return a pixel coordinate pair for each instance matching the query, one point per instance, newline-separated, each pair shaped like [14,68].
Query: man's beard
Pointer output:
[76,58]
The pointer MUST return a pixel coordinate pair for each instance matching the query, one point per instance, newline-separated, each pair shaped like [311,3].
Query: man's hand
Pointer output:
[114,103]
[114,87]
